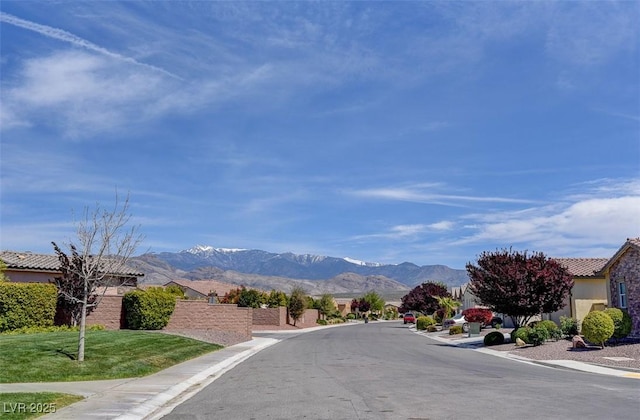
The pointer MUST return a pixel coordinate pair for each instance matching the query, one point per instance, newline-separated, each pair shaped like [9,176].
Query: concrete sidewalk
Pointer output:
[149,397]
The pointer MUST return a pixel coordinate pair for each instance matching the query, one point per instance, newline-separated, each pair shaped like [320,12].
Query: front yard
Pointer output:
[49,357]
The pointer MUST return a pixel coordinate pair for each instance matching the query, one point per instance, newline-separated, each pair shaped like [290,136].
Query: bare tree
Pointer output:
[104,244]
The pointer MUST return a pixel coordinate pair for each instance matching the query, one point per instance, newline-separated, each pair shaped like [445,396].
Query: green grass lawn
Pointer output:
[20,405]
[44,357]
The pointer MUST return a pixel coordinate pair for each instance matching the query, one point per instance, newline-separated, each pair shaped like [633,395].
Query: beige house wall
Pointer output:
[30,276]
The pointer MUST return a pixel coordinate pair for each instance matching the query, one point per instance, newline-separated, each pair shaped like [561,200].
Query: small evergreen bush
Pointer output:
[149,309]
[597,327]
[351,315]
[569,326]
[494,338]
[424,321]
[522,333]
[321,321]
[456,329]
[432,328]
[537,335]
[621,321]
[552,328]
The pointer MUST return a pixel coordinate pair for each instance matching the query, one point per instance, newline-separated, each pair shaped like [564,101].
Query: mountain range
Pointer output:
[282,271]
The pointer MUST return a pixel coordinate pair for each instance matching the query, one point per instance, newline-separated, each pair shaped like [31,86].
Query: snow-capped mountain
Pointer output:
[303,266]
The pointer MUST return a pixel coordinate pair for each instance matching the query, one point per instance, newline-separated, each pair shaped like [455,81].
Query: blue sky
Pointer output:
[381,131]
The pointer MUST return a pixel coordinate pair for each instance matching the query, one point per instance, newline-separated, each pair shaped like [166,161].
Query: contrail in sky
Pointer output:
[65,36]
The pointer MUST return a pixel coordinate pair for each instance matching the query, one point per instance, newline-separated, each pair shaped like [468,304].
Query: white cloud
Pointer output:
[79,92]
[421,194]
[562,229]
[70,38]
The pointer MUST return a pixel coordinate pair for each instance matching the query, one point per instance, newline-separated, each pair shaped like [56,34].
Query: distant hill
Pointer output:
[265,270]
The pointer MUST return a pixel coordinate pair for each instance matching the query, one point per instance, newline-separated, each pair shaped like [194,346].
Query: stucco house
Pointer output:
[27,267]
[622,272]
[589,292]
[200,289]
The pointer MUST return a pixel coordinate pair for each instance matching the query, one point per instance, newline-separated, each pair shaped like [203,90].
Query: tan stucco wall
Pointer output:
[588,295]
[30,277]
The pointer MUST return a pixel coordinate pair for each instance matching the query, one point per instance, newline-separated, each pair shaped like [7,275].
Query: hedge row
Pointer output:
[148,309]
[25,305]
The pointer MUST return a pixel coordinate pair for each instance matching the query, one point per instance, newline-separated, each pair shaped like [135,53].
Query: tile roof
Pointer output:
[205,286]
[630,243]
[42,262]
[583,267]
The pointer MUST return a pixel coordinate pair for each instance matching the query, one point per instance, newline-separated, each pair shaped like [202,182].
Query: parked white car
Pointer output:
[458,319]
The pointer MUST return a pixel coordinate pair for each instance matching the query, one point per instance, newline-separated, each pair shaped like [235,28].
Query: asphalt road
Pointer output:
[384,371]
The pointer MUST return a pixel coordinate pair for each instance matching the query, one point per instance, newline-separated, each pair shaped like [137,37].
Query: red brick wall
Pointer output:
[200,315]
[108,313]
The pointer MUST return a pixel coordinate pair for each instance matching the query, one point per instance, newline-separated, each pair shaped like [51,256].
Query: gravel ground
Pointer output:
[629,350]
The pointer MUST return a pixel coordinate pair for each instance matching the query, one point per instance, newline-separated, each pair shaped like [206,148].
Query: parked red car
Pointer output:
[409,318]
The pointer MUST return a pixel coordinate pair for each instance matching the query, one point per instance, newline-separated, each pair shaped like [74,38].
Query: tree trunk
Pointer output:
[83,322]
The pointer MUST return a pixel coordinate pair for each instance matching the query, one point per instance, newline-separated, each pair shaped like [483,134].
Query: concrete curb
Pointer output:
[166,401]
[471,343]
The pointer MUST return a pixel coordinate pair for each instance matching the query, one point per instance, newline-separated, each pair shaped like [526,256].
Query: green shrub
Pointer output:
[552,328]
[493,338]
[149,309]
[57,328]
[621,321]
[321,321]
[597,327]
[569,326]
[27,305]
[351,315]
[424,321]
[522,333]
[537,335]
[456,329]
[175,290]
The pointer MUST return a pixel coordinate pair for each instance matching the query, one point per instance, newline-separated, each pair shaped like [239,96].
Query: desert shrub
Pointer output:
[149,309]
[569,326]
[552,328]
[432,328]
[424,321]
[493,338]
[456,329]
[621,322]
[321,321]
[537,335]
[597,327]
[522,333]
[481,315]
[351,315]
[27,305]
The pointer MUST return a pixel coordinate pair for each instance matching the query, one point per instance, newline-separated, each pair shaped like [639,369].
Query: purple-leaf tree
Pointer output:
[519,285]
[423,298]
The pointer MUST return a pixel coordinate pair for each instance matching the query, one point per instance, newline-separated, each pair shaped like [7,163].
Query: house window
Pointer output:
[622,295]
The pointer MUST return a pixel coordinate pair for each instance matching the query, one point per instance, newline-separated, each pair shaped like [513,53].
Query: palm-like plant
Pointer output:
[448,305]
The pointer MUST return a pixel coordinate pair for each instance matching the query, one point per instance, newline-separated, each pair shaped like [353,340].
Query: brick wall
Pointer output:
[627,270]
[200,315]
[270,316]
[308,319]
[187,315]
